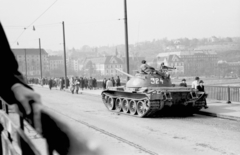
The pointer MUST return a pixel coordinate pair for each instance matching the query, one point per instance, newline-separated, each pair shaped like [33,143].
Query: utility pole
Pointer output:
[126,36]
[40,50]
[64,50]
[25,62]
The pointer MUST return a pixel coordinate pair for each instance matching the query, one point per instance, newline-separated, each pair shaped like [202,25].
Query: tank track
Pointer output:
[138,107]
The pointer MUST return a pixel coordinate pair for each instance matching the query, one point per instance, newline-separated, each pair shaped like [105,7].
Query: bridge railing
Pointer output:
[60,138]
[223,93]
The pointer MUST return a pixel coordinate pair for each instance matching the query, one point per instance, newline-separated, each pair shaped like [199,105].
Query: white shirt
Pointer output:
[195,84]
[109,83]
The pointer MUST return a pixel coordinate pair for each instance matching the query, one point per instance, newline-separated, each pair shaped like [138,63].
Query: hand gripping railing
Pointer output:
[59,137]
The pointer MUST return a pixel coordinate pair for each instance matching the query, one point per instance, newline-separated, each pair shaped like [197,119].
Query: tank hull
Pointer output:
[147,101]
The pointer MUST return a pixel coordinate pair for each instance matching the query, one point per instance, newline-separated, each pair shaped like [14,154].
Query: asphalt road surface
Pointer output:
[121,134]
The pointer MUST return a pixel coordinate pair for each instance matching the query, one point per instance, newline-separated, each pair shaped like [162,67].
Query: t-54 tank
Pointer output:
[146,94]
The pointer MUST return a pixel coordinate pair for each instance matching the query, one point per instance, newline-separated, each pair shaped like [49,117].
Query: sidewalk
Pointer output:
[216,108]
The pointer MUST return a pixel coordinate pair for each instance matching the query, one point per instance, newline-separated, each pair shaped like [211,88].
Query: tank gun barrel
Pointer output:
[125,73]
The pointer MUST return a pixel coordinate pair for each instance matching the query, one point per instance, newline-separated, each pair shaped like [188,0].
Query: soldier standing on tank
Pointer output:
[183,83]
[146,68]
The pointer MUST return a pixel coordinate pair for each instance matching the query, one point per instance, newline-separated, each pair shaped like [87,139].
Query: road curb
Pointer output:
[218,115]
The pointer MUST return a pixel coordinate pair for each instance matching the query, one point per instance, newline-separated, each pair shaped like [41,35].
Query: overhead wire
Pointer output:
[110,20]
[42,14]
[25,28]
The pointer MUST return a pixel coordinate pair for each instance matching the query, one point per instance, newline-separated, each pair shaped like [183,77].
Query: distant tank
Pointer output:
[147,94]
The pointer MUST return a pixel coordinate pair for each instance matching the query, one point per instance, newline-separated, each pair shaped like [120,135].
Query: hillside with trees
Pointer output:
[227,48]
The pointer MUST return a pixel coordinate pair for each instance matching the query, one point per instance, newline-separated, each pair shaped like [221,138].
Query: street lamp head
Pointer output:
[34,28]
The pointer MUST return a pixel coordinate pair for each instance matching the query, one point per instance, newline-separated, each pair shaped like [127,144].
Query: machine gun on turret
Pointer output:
[164,68]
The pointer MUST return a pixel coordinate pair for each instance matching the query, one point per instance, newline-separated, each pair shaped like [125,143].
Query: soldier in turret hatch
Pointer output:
[146,68]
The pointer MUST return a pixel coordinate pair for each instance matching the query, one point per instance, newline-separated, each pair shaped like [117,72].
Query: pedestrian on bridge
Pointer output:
[77,84]
[90,83]
[118,82]
[72,85]
[104,83]
[50,83]
[109,83]
[183,83]
[113,81]
[195,83]
[200,88]
[81,83]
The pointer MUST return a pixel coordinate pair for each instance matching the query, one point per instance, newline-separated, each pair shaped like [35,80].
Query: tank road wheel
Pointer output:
[110,103]
[118,105]
[132,107]
[141,108]
[104,98]
[125,106]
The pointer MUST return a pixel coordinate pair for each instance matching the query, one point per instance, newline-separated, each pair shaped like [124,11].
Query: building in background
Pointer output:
[32,62]
[191,63]
[200,62]
[55,62]
[102,66]
[228,69]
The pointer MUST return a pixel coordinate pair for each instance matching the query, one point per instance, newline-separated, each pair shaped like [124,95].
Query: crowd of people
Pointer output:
[76,83]
[196,84]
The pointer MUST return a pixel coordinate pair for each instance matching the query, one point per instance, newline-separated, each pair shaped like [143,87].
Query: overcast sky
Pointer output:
[96,22]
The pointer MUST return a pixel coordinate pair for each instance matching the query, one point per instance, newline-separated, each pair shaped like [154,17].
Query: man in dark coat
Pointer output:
[200,88]
[113,81]
[77,82]
[118,82]
[61,83]
[104,83]
[94,83]
[183,83]
[50,83]
[90,83]
[82,83]
[67,83]
[13,87]
[86,83]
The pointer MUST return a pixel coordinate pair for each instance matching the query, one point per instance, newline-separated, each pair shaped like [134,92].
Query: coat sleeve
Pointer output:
[9,70]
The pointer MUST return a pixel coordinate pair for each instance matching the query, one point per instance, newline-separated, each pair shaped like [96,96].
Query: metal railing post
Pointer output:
[228,95]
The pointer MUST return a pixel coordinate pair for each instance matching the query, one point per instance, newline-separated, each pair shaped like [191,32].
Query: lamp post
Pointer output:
[126,36]
[40,51]
[25,55]
[64,52]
